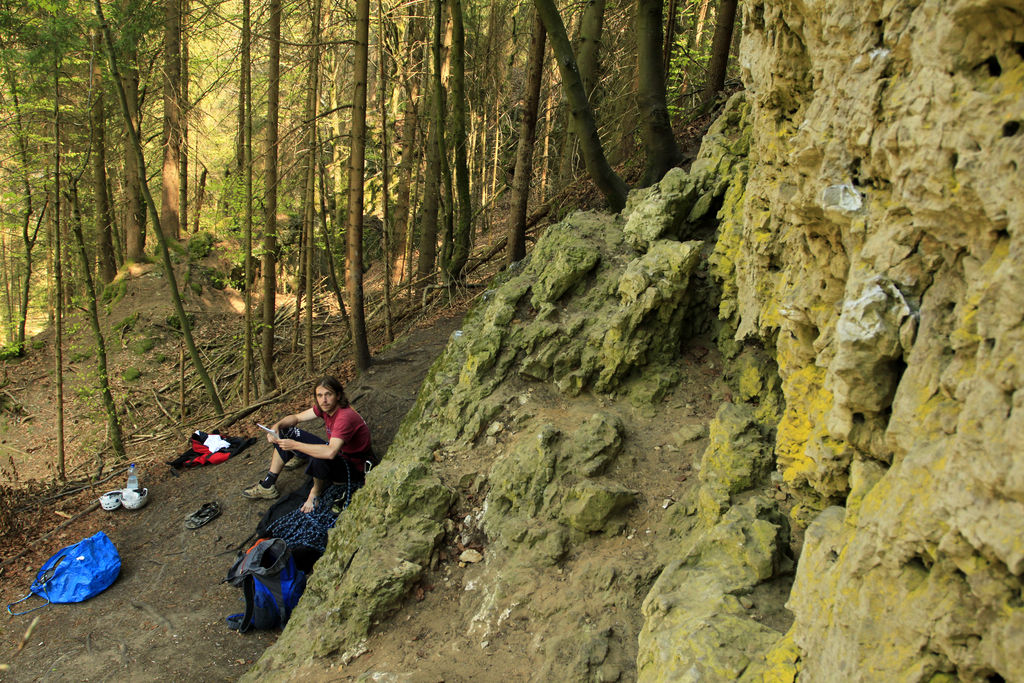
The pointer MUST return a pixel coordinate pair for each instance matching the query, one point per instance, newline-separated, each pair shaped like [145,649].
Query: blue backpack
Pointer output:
[75,573]
[270,582]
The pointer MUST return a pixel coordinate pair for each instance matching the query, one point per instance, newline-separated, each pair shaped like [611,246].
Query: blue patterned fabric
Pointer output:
[310,529]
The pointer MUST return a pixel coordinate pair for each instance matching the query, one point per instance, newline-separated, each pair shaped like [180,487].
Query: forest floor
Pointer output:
[164,617]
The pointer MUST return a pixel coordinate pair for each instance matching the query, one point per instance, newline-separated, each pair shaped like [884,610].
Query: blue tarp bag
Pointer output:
[75,573]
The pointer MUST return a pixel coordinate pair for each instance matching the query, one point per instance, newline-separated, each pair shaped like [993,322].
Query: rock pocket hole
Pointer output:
[992,65]
[1011,128]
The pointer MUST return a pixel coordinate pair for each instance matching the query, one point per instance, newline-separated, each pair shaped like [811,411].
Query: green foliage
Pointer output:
[12,350]
[38,344]
[200,245]
[131,374]
[218,280]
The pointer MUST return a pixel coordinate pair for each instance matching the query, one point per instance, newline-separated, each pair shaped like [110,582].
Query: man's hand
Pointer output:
[287,444]
[309,505]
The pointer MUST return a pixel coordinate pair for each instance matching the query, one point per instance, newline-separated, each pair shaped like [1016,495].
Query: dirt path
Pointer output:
[163,619]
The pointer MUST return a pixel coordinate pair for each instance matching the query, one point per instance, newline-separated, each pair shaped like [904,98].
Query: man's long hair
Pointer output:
[332,383]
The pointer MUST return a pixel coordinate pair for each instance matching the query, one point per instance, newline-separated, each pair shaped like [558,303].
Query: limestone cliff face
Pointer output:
[878,245]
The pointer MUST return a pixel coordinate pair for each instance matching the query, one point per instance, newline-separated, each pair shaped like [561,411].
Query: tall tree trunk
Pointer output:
[382,88]
[312,110]
[200,196]
[429,209]
[720,46]
[590,28]
[410,156]
[447,195]
[524,153]
[104,216]
[357,161]
[5,282]
[460,241]
[549,124]
[246,133]
[135,224]
[58,296]
[270,200]
[184,111]
[659,140]
[332,272]
[172,283]
[170,194]
[432,184]
[113,424]
[670,37]
[28,239]
[244,73]
[608,182]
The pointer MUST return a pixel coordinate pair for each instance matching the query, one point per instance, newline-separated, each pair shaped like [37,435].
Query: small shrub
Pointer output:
[13,350]
[131,374]
[200,245]
[217,279]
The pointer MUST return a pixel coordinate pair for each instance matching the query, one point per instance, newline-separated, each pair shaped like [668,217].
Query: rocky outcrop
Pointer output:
[877,245]
[563,361]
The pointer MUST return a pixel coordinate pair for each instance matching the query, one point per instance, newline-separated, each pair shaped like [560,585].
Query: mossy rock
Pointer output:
[141,347]
[131,374]
[591,505]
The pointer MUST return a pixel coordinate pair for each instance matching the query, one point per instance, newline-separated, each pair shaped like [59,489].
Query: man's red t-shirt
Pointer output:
[347,425]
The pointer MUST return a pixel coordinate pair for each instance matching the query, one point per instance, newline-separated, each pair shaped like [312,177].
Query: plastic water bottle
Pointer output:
[133,481]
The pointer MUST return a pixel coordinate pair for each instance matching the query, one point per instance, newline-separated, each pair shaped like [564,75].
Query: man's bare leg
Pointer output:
[318,487]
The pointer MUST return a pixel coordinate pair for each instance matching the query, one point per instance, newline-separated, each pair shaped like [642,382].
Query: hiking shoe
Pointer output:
[257,490]
[295,463]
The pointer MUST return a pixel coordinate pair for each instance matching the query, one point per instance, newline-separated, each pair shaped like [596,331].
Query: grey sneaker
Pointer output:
[257,491]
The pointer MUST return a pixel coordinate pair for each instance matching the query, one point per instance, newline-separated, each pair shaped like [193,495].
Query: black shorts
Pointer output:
[340,469]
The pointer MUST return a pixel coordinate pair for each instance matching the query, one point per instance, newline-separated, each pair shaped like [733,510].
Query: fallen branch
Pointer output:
[231,419]
[161,407]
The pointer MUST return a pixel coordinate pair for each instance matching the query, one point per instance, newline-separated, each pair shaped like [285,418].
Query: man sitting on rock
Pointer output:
[346,455]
